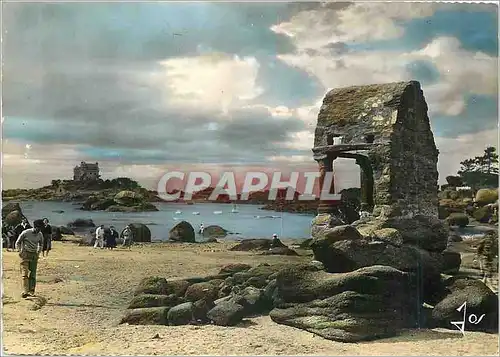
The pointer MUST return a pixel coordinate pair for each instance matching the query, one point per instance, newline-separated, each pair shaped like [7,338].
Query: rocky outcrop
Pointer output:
[215,232]
[123,201]
[128,198]
[348,255]
[12,214]
[238,290]
[458,219]
[81,223]
[479,299]
[267,246]
[486,196]
[425,232]
[292,206]
[365,304]
[182,232]
[485,214]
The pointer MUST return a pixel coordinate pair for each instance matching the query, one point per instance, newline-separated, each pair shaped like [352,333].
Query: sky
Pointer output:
[145,88]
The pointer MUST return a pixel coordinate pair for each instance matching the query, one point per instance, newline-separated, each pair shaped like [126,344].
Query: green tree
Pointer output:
[489,160]
[481,171]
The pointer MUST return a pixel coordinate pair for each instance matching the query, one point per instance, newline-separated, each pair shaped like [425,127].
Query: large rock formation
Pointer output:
[486,196]
[385,128]
[214,231]
[238,290]
[266,246]
[364,304]
[479,299]
[123,201]
[12,214]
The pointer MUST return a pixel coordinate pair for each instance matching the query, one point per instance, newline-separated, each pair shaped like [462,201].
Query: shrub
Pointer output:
[483,214]
[455,181]
[458,219]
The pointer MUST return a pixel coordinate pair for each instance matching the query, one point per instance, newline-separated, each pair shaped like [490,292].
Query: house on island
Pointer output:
[86,172]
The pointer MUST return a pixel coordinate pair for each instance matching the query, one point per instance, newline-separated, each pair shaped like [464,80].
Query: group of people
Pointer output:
[31,240]
[107,237]
[11,234]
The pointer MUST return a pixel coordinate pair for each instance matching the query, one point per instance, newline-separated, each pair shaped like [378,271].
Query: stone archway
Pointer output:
[366,179]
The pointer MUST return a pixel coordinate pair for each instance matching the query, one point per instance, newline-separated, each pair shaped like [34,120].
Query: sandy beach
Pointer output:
[82,294]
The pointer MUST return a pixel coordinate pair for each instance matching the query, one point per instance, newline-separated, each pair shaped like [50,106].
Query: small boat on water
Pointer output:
[178,212]
[217,212]
[196,213]
[176,218]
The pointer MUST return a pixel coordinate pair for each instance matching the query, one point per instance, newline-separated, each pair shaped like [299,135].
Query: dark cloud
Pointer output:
[78,74]
[139,31]
[103,111]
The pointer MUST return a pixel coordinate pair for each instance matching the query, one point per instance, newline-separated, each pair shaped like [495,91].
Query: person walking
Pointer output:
[99,237]
[29,244]
[202,229]
[47,237]
[111,238]
[128,237]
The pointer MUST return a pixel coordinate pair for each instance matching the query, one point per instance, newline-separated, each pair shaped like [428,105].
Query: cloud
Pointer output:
[323,43]
[461,73]
[212,82]
[319,29]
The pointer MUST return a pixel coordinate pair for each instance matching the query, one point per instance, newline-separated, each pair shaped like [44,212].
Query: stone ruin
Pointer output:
[385,128]
[368,280]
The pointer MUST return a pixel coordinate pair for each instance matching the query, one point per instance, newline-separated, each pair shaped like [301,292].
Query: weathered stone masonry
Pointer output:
[385,128]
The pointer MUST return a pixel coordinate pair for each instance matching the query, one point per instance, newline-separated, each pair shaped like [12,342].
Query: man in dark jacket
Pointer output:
[17,230]
[111,238]
[47,237]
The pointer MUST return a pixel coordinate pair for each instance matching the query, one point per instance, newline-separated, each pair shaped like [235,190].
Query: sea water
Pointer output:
[249,222]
